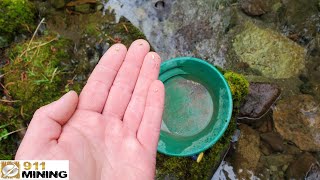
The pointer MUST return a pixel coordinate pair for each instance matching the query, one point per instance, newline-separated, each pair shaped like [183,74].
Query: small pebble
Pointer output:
[194,157]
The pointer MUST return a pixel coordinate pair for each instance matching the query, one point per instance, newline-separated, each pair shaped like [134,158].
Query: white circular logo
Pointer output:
[10,170]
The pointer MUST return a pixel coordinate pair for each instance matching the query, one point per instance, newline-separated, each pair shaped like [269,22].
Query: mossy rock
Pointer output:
[123,32]
[16,16]
[239,87]
[35,76]
[169,167]
[269,52]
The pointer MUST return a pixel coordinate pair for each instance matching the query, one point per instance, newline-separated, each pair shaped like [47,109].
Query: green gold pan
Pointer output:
[198,106]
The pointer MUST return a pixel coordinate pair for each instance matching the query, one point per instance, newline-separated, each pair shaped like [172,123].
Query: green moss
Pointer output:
[35,77]
[7,115]
[187,168]
[239,87]
[123,32]
[16,16]
[8,147]
[92,30]
[9,121]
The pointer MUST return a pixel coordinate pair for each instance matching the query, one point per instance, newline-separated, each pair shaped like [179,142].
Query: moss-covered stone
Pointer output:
[271,53]
[35,76]
[9,121]
[123,32]
[186,167]
[239,87]
[15,16]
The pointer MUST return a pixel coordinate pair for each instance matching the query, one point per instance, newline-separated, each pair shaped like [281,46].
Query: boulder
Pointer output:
[314,172]
[299,168]
[274,140]
[301,18]
[269,52]
[253,7]
[259,100]
[247,152]
[297,119]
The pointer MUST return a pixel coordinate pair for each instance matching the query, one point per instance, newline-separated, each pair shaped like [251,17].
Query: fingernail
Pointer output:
[117,48]
[152,56]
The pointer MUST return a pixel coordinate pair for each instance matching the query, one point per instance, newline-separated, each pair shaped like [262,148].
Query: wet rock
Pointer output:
[99,7]
[259,100]
[83,8]
[276,160]
[314,172]
[253,7]
[4,41]
[301,19]
[292,149]
[247,152]
[265,148]
[266,125]
[318,68]
[274,140]
[297,119]
[269,52]
[299,168]
[58,4]
[273,166]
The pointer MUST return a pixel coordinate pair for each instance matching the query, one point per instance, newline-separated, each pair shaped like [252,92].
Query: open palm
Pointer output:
[111,131]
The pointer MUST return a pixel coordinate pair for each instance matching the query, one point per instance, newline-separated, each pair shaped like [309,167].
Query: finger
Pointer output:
[124,83]
[94,95]
[46,124]
[149,73]
[149,129]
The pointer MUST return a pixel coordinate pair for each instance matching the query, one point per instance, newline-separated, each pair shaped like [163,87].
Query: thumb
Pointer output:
[61,110]
[46,124]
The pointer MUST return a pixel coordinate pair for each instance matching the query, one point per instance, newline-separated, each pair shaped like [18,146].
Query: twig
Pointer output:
[8,101]
[5,125]
[43,44]
[125,27]
[18,130]
[4,87]
[35,32]
[53,74]
[112,39]
[21,112]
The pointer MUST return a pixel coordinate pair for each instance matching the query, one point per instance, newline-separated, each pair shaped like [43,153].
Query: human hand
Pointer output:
[111,131]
